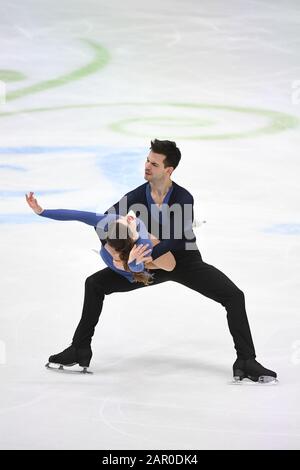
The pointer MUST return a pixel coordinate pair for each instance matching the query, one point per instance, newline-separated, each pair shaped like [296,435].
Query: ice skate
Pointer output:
[251,372]
[70,357]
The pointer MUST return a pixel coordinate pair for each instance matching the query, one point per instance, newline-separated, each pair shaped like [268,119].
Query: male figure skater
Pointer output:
[156,196]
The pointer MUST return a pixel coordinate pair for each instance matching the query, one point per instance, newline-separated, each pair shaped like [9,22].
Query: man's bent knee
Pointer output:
[238,294]
[235,295]
[92,282]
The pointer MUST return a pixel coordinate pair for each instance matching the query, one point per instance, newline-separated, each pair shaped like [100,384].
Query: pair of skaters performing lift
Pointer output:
[157,246]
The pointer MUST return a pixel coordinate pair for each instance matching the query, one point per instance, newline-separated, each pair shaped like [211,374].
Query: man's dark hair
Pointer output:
[169,149]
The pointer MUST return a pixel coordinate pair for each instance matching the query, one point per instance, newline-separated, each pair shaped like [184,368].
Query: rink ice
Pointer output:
[192,72]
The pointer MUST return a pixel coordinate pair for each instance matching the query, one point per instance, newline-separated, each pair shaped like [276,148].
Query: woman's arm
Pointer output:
[166,262]
[89,218]
[32,202]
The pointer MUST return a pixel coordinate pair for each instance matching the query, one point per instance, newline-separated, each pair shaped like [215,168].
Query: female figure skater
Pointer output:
[128,244]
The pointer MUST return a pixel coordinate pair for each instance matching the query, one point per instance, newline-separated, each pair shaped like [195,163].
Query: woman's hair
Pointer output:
[120,238]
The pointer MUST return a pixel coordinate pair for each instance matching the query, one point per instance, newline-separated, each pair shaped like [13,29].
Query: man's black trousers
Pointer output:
[190,271]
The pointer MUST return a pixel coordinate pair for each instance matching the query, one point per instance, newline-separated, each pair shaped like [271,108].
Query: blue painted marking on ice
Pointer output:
[124,167]
[21,219]
[12,167]
[284,229]
[53,149]
[12,193]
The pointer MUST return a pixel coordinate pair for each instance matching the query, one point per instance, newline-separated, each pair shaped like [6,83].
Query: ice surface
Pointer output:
[87,85]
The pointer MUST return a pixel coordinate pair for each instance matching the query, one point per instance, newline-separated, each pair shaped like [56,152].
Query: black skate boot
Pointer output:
[253,370]
[71,356]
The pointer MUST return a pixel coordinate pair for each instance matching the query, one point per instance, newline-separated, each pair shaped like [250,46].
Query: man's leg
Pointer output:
[204,278]
[98,285]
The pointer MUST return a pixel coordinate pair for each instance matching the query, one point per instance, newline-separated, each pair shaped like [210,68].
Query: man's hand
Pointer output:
[151,265]
[139,253]
[32,202]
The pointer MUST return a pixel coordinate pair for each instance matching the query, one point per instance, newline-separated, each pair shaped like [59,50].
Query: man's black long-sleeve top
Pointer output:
[179,213]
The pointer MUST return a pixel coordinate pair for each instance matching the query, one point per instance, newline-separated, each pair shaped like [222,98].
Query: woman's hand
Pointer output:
[139,253]
[32,202]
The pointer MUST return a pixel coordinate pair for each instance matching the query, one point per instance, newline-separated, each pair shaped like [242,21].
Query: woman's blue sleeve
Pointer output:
[136,267]
[145,240]
[89,218]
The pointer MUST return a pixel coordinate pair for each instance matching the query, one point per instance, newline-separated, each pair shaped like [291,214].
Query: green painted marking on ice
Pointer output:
[11,76]
[100,59]
[183,121]
[278,121]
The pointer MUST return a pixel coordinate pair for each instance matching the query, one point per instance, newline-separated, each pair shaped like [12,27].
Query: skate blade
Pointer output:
[61,369]
[262,380]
